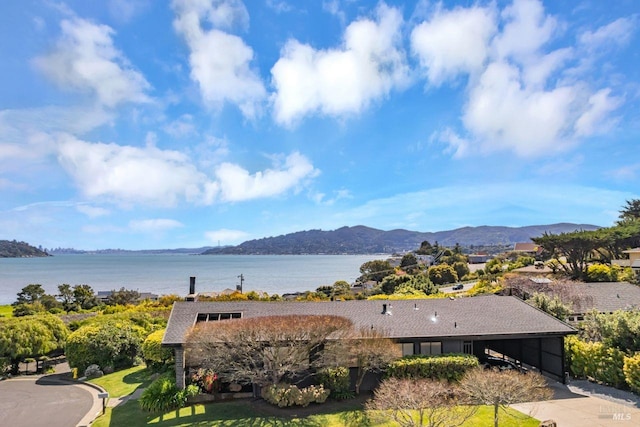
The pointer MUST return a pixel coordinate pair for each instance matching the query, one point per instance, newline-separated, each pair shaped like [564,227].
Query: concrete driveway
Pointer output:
[46,401]
[583,404]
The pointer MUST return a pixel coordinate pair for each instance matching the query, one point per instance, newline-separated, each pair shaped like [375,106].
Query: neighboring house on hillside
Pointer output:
[604,297]
[479,258]
[633,261]
[477,325]
[527,248]
[103,296]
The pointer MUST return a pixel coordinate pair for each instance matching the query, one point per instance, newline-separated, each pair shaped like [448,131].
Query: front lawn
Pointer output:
[248,413]
[255,413]
[123,383]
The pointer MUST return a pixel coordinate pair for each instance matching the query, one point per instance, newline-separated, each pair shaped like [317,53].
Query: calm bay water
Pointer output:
[169,273]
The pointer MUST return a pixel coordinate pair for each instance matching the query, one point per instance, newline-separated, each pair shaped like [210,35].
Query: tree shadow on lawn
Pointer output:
[251,413]
[142,377]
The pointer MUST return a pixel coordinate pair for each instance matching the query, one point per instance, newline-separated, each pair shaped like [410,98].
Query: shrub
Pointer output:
[631,369]
[450,367]
[601,273]
[206,380]
[337,381]
[156,356]
[113,343]
[596,361]
[163,395]
[285,395]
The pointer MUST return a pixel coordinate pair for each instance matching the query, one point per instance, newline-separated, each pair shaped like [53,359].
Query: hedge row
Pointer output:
[450,367]
[597,362]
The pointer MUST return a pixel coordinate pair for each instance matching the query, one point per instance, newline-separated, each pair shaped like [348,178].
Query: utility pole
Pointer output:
[239,287]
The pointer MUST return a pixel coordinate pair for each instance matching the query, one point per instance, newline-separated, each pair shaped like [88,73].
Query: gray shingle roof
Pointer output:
[490,316]
[607,297]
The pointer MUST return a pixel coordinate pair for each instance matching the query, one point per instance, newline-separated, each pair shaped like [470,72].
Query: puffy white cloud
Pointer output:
[522,96]
[369,64]
[444,50]
[226,237]
[148,175]
[85,59]
[220,62]
[235,183]
[154,225]
[130,174]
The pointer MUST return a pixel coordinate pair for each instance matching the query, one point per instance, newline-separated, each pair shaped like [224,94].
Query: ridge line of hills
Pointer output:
[366,240]
[356,240]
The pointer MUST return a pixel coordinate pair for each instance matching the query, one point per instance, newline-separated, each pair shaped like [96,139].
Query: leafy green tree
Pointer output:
[461,268]
[84,297]
[552,305]
[375,270]
[441,274]
[30,336]
[123,297]
[631,211]
[30,294]
[65,295]
[114,343]
[409,263]
[576,247]
[341,288]
[391,282]
[152,351]
[425,249]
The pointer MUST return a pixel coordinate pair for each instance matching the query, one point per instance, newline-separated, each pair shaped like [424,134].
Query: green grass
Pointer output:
[6,311]
[245,413]
[122,383]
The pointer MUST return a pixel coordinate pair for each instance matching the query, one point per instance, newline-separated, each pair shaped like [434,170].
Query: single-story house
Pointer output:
[604,297]
[478,325]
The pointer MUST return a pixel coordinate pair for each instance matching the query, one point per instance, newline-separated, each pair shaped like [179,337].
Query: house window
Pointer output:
[406,348]
[467,347]
[214,317]
[434,347]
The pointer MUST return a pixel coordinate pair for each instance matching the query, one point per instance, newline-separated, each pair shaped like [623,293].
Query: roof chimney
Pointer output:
[192,289]
[386,310]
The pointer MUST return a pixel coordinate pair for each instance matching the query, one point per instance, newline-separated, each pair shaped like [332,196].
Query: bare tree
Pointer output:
[263,350]
[422,402]
[502,388]
[372,351]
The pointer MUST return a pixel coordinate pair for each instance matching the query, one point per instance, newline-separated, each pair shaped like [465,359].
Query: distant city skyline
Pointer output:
[139,124]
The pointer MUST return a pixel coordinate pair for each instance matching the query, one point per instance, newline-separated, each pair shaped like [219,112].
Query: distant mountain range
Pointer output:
[366,240]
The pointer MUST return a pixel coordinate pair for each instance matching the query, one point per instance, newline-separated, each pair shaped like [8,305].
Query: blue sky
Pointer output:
[151,124]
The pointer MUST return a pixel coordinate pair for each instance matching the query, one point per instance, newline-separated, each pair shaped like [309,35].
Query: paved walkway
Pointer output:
[585,404]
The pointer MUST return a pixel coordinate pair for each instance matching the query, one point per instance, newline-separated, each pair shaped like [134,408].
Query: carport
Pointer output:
[544,353]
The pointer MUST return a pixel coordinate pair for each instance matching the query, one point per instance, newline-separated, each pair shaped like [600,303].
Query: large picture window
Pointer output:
[406,348]
[434,347]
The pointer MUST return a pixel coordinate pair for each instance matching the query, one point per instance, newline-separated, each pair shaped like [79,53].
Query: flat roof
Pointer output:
[490,317]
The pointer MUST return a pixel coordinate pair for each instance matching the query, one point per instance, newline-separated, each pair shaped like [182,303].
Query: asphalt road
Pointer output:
[42,401]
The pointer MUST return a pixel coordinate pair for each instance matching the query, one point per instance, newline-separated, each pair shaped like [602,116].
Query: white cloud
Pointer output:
[226,237]
[181,127]
[234,183]
[593,119]
[521,96]
[85,59]
[369,64]
[445,50]
[154,225]
[92,211]
[617,32]
[130,174]
[220,62]
[135,175]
